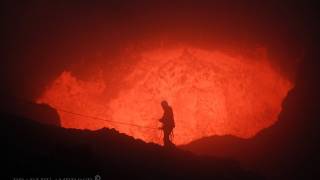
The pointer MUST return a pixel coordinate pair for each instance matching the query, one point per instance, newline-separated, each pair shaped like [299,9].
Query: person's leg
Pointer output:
[166,140]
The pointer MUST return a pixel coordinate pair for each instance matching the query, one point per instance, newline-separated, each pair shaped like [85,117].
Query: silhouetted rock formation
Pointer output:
[42,113]
[290,148]
[39,150]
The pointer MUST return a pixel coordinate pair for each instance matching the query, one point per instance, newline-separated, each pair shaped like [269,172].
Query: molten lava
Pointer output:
[211,93]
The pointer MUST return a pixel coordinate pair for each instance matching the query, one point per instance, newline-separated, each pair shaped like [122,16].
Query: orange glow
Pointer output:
[211,93]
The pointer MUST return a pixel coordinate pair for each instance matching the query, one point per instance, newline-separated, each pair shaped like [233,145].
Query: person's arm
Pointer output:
[163,117]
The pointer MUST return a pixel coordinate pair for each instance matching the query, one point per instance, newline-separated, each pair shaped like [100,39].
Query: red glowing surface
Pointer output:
[211,93]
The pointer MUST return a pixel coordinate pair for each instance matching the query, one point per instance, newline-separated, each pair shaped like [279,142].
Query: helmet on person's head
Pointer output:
[164,103]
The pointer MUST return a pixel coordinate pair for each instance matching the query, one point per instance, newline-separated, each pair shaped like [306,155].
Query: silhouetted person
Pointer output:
[167,121]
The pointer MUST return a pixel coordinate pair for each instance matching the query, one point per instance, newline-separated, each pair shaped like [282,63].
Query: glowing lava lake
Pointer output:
[211,93]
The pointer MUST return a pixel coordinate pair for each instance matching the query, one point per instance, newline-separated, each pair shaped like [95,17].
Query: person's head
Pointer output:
[164,104]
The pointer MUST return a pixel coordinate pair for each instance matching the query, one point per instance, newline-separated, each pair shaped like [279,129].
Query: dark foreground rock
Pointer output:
[38,150]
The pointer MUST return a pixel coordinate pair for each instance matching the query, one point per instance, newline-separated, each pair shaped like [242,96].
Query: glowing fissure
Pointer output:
[211,93]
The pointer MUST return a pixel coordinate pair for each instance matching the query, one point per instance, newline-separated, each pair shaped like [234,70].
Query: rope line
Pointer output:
[101,119]
[91,117]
